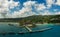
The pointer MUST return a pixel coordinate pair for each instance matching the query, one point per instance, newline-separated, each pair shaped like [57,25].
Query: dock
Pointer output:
[45,29]
[28,28]
[30,31]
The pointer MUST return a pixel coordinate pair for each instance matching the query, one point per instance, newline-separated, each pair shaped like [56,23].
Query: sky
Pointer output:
[24,8]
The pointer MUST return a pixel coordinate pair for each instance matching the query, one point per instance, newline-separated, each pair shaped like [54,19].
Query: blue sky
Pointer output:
[51,9]
[41,1]
[24,8]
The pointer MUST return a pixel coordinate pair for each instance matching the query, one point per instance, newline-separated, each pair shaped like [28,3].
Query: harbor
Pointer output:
[42,30]
[21,30]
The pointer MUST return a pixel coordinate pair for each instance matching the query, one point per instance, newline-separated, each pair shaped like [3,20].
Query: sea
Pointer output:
[54,32]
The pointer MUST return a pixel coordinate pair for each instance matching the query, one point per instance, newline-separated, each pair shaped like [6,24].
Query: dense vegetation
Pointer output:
[41,19]
[34,19]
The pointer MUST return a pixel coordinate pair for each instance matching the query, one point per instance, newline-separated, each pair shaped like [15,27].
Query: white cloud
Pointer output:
[57,13]
[6,5]
[49,3]
[29,3]
[46,12]
[58,2]
[13,4]
[24,12]
[40,6]
[27,9]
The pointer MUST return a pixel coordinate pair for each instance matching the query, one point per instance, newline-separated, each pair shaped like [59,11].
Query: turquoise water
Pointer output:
[55,32]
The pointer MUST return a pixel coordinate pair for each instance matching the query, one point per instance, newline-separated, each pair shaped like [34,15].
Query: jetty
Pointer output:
[28,28]
[30,31]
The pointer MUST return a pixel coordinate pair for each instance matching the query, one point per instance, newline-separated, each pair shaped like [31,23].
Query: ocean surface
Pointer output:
[54,32]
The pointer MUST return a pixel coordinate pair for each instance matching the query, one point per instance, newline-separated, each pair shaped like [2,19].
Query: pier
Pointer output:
[28,28]
[44,29]
[30,31]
